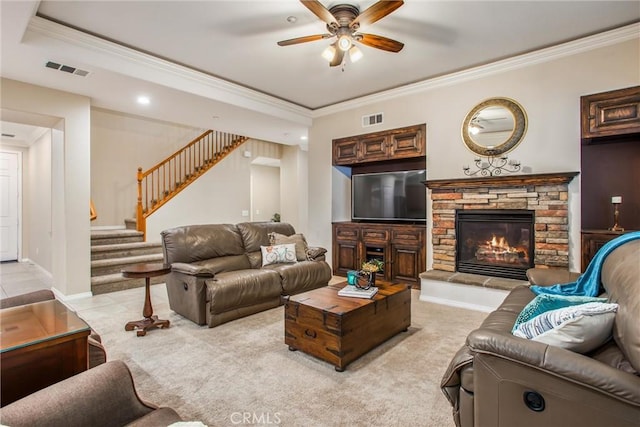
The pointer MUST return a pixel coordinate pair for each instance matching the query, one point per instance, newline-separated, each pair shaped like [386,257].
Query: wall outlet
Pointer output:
[257,211]
[245,213]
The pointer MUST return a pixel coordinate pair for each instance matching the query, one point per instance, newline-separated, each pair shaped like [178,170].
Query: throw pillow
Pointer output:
[545,302]
[297,239]
[278,254]
[580,328]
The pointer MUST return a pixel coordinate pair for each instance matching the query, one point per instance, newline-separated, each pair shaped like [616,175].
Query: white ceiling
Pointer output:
[216,64]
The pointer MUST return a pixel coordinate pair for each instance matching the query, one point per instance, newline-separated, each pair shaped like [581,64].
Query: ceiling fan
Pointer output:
[343,22]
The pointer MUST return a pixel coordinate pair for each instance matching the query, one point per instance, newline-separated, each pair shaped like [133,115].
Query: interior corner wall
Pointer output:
[120,143]
[265,192]
[293,187]
[549,90]
[38,189]
[71,265]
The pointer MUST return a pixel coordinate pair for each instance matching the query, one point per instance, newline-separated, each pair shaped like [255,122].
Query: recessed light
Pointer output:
[292,19]
[144,100]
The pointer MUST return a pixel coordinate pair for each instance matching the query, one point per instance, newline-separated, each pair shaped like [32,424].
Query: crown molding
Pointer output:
[596,41]
[228,92]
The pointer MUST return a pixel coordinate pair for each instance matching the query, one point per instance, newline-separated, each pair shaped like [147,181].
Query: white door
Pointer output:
[8,206]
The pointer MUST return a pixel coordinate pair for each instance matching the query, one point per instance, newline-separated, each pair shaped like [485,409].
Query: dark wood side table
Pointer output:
[40,344]
[146,271]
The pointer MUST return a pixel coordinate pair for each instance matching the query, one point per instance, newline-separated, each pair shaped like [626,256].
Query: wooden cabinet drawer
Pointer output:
[612,113]
[375,235]
[407,236]
[347,233]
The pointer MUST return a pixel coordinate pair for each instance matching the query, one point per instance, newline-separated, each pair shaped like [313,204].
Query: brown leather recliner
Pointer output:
[498,379]
[217,273]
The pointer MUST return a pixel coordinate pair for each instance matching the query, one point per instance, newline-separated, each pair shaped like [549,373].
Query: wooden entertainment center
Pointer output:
[610,155]
[400,245]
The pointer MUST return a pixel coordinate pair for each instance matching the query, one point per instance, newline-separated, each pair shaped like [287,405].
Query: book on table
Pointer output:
[355,292]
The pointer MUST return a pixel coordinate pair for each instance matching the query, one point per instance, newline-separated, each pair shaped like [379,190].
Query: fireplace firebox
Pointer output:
[495,242]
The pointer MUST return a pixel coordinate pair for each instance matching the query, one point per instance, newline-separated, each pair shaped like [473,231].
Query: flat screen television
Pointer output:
[389,196]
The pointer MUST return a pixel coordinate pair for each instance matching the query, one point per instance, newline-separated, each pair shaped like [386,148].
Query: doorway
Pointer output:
[9,205]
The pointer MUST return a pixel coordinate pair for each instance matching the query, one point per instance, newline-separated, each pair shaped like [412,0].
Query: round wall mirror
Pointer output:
[495,126]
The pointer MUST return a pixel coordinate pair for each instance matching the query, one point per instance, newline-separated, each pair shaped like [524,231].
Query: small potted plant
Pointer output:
[370,268]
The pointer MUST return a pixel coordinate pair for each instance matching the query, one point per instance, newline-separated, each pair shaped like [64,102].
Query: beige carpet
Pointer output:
[242,373]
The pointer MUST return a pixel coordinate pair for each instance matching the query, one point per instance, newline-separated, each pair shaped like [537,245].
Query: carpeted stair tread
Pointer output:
[128,260]
[125,246]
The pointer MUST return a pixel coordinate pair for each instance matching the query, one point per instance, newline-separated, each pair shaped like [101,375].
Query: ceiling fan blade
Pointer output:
[304,39]
[338,57]
[320,11]
[380,42]
[376,12]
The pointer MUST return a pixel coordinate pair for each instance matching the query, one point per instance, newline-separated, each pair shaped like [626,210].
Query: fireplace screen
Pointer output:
[495,243]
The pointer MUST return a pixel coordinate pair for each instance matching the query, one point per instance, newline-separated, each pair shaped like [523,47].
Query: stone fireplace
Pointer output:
[544,196]
[536,209]
[495,242]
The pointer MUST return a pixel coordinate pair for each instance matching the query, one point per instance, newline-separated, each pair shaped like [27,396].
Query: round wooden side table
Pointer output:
[146,271]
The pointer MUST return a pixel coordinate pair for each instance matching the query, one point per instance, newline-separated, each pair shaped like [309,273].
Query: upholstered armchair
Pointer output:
[104,396]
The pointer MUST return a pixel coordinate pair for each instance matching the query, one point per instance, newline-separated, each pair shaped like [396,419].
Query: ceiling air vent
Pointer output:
[67,69]
[372,119]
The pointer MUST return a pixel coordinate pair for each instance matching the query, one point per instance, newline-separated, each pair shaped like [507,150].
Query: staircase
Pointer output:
[162,182]
[113,250]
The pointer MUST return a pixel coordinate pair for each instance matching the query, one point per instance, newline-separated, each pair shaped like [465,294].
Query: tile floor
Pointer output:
[21,277]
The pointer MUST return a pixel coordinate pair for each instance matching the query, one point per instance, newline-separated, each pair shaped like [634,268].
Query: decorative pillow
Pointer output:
[580,328]
[278,254]
[546,302]
[297,239]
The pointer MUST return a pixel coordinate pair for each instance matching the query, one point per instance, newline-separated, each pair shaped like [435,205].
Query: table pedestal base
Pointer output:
[146,324]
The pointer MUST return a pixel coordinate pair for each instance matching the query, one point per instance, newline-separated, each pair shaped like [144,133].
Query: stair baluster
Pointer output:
[158,185]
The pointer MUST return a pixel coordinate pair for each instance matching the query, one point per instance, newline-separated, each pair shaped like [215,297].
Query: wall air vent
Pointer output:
[372,119]
[8,135]
[67,69]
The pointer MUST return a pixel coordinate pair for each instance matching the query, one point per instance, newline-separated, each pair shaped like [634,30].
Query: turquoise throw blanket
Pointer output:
[588,284]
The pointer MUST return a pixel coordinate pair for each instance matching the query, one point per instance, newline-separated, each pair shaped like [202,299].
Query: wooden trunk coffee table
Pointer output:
[339,329]
[146,271]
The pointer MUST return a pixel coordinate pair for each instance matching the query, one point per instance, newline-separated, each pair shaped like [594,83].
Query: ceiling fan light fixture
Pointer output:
[344,43]
[355,54]
[329,53]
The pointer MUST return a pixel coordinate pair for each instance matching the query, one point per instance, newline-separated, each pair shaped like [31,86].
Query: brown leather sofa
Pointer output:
[217,273]
[104,396]
[498,379]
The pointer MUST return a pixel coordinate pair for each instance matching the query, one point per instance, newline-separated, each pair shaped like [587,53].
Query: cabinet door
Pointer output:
[345,152]
[611,113]
[346,248]
[374,148]
[345,257]
[406,264]
[408,143]
[592,241]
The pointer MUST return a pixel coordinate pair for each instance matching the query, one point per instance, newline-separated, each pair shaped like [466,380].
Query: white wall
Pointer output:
[549,91]
[38,188]
[265,192]
[293,186]
[120,143]
[71,230]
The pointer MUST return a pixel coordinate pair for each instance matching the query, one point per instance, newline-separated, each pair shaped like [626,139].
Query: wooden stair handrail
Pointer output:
[92,211]
[163,181]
